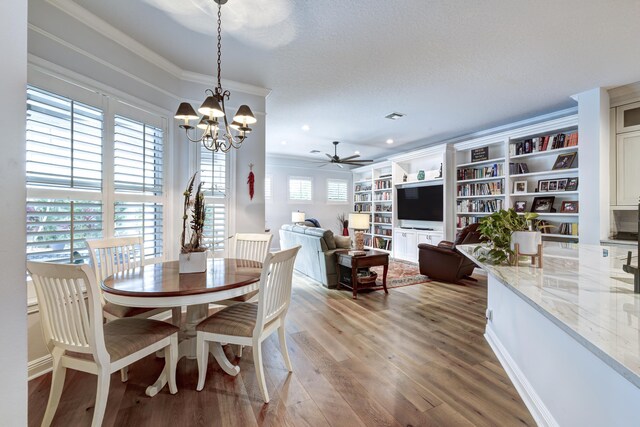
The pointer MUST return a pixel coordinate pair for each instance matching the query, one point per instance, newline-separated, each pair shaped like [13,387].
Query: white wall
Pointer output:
[593,124]
[279,208]
[13,292]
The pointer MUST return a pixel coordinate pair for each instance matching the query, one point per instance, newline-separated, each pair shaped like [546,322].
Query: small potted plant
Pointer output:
[193,253]
[503,230]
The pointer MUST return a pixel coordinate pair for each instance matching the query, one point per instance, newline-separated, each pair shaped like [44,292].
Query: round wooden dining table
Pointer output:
[161,285]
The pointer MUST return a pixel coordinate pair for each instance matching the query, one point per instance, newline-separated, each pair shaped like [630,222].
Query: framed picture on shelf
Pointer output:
[519,187]
[553,185]
[572,184]
[520,205]
[542,204]
[562,184]
[564,161]
[569,206]
[543,186]
[480,154]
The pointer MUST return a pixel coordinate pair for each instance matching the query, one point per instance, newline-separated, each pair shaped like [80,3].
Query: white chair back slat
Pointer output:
[275,286]
[69,322]
[111,256]
[251,246]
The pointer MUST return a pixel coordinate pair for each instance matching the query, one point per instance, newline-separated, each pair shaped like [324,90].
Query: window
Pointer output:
[214,172]
[267,188]
[337,191]
[64,177]
[300,189]
[70,196]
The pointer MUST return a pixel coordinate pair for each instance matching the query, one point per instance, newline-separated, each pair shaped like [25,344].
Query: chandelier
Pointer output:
[218,133]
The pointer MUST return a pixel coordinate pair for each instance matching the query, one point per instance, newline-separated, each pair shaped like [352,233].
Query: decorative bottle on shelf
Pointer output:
[420,175]
[404,178]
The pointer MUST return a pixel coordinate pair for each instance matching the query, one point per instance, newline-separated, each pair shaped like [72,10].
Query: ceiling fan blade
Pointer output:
[329,156]
[344,159]
[324,164]
[339,165]
[359,161]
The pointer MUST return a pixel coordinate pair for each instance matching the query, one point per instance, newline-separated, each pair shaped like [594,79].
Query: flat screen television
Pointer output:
[420,203]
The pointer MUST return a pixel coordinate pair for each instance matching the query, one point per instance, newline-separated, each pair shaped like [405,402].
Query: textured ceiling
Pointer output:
[340,66]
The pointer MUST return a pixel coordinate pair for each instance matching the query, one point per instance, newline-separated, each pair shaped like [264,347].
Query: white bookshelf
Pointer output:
[480,185]
[540,165]
[375,184]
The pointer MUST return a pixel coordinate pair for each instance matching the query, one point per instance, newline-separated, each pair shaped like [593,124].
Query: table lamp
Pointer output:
[360,223]
[297,217]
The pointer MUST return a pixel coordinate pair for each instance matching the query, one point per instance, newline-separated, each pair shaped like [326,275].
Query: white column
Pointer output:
[594,176]
[13,290]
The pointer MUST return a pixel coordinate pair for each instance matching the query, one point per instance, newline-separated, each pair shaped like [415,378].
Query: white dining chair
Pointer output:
[248,324]
[114,255]
[111,256]
[251,246]
[78,339]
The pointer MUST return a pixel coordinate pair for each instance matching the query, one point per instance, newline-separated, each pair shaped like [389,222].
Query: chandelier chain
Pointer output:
[219,44]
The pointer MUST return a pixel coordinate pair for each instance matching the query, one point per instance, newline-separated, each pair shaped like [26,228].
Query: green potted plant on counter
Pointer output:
[503,230]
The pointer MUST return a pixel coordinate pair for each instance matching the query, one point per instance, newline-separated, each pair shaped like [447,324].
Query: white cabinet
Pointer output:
[628,119]
[430,237]
[405,245]
[628,168]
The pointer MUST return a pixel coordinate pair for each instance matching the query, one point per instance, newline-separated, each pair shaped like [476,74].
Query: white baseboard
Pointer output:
[536,407]
[39,366]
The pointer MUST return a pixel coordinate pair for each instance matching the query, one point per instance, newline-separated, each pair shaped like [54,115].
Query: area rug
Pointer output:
[401,274]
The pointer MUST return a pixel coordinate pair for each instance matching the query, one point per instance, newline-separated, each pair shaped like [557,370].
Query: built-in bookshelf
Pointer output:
[480,180]
[373,193]
[543,177]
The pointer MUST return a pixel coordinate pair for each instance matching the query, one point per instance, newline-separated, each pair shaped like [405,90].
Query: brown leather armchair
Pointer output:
[444,262]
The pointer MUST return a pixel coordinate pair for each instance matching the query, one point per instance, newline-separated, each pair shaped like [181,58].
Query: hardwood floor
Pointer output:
[416,357]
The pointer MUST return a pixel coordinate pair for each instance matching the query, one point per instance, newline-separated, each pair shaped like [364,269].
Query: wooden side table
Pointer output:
[373,258]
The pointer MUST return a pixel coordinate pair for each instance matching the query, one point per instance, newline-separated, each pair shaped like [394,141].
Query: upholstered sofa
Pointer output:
[316,257]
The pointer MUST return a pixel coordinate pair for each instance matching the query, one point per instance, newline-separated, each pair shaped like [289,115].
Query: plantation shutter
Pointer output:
[267,188]
[300,188]
[337,190]
[64,142]
[213,172]
[141,219]
[138,157]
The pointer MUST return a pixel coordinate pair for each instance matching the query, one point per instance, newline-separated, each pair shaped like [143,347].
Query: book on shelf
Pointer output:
[568,228]
[494,170]
[543,143]
[463,221]
[481,206]
[356,253]
[480,189]
[518,168]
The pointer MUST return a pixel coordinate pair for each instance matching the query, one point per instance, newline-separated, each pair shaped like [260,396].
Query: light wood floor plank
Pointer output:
[414,357]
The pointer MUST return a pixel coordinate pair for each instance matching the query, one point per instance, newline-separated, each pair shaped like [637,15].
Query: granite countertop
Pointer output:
[583,290]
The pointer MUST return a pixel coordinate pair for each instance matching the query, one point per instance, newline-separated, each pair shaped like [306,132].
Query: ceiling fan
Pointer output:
[337,160]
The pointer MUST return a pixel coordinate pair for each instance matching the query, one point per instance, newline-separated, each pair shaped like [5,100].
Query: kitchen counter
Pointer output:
[575,322]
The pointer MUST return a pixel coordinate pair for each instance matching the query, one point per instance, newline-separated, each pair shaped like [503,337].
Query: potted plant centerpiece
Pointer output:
[505,229]
[193,253]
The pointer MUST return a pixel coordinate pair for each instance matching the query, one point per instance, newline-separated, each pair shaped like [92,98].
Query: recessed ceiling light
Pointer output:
[394,116]
[356,152]
[284,143]
[305,127]
[389,141]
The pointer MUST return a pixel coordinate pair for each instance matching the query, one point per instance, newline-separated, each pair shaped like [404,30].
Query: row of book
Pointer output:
[383,185]
[543,143]
[362,207]
[377,242]
[481,189]
[382,219]
[568,228]
[362,187]
[378,197]
[385,207]
[463,221]
[497,169]
[466,206]
[382,231]
[362,197]
[518,168]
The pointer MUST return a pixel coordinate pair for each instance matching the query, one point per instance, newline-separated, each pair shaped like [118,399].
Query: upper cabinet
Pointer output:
[628,172]
[628,118]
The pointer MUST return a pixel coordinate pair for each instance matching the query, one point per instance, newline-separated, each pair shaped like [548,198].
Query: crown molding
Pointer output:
[109,31]
[624,94]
